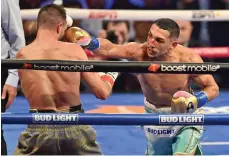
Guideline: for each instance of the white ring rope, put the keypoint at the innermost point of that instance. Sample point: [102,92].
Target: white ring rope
[142,15]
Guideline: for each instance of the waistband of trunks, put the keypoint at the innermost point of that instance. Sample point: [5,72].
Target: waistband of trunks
[151,108]
[46,128]
[73,109]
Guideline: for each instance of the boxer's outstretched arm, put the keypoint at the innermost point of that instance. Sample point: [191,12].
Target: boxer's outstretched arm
[103,47]
[206,82]
[130,50]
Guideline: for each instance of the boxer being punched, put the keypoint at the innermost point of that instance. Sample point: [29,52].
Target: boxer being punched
[165,93]
[51,91]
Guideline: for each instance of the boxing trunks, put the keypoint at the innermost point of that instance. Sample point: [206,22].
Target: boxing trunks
[58,139]
[170,140]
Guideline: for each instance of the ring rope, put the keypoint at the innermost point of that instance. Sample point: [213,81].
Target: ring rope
[212,52]
[117,66]
[142,15]
[114,119]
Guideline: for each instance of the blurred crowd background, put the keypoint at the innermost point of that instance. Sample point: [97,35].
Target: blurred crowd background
[193,34]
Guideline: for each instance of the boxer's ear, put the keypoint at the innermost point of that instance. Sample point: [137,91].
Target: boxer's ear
[59,27]
[174,44]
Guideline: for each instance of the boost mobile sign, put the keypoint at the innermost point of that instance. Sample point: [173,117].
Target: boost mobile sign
[70,68]
[189,68]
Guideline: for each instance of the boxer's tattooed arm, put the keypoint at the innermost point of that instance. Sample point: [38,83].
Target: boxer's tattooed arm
[129,51]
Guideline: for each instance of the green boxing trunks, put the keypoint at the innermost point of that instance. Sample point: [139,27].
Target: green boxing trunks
[170,140]
[58,140]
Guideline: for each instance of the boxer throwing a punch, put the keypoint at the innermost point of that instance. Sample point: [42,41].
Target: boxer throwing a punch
[164,93]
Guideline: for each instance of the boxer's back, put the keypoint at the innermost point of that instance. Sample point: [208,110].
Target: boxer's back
[49,89]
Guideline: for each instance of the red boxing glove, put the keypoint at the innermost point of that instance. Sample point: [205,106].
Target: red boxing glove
[109,77]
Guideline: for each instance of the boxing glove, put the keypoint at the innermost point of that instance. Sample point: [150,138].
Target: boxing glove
[81,37]
[184,102]
[109,77]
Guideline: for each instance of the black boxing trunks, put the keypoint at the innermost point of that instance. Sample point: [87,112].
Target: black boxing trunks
[58,139]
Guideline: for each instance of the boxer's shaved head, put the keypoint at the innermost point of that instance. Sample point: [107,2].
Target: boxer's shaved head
[51,15]
[170,25]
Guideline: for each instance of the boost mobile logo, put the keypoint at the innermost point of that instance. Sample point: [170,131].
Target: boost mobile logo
[27,66]
[77,68]
[153,67]
[203,68]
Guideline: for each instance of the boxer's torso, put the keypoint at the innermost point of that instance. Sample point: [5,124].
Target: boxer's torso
[46,90]
[159,88]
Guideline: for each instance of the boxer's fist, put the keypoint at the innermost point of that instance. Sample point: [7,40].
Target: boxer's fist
[184,102]
[81,37]
[77,35]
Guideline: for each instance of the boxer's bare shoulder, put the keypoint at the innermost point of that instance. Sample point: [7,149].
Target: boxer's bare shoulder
[187,54]
[56,51]
[73,51]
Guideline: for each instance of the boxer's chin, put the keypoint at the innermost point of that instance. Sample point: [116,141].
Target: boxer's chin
[152,54]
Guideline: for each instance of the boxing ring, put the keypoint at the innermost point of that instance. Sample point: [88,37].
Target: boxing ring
[116,119]
[122,112]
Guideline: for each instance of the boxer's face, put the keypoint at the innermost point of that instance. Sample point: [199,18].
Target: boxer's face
[158,42]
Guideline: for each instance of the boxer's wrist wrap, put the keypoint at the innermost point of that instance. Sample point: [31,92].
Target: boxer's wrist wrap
[94,44]
[202,98]
[109,77]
